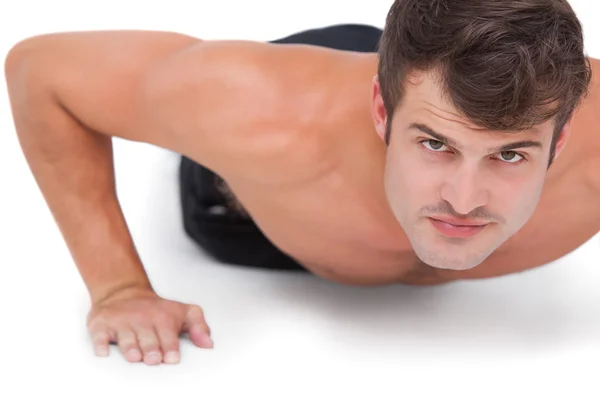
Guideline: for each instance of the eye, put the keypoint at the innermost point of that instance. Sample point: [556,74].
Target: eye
[510,157]
[434,145]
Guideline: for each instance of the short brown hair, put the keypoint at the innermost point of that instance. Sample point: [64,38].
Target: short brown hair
[506,65]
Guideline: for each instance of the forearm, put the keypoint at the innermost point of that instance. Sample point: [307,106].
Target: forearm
[73,167]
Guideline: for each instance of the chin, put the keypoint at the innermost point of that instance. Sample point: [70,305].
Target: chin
[450,259]
[452,265]
[457,254]
[442,261]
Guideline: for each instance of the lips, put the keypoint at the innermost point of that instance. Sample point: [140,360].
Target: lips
[461,222]
[456,228]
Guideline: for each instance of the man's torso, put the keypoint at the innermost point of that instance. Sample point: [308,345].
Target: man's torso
[322,200]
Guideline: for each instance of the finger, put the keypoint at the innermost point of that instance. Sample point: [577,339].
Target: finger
[169,343]
[101,339]
[149,345]
[197,328]
[127,342]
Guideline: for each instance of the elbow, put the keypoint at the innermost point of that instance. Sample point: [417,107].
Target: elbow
[18,59]
[25,70]
[23,79]
[15,63]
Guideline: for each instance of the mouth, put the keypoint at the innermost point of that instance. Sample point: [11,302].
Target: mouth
[454,228]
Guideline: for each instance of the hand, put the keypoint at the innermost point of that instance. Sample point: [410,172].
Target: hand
[145,326]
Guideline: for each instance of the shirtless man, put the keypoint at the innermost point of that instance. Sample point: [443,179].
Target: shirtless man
[441,157]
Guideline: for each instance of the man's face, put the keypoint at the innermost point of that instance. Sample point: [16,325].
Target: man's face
[441,167]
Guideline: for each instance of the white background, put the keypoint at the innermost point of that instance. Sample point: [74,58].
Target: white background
[277,335]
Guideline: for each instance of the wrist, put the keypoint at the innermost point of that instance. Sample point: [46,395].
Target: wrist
[121,290]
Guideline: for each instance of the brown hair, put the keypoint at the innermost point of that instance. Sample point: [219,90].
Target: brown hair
[506,65]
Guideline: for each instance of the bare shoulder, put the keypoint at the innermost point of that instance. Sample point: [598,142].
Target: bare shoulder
[265,110]
[260,109]
[590,126]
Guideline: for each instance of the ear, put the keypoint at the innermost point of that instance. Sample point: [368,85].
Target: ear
[378,111]
[563,137]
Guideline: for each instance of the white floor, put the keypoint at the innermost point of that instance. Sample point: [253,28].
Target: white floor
[277,335]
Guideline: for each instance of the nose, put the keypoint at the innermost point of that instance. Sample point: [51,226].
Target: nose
[465,189]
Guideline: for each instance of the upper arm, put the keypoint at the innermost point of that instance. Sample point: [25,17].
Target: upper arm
[215,101]
[95,76]
[162,88]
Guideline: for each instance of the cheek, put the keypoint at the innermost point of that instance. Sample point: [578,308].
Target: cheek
[517,196]
[414,180]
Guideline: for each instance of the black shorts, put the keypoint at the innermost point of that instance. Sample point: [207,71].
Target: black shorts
[224,233]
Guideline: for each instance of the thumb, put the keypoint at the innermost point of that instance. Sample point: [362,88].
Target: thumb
[195,325]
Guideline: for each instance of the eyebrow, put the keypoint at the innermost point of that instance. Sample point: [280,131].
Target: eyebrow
[448,141]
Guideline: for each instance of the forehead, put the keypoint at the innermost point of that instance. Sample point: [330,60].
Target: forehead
[425,102]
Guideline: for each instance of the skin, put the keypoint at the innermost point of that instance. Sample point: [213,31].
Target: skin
[310,166]
[462,175]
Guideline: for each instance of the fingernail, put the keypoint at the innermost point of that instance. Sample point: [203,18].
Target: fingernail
[133,354]
[209,341]
[172,357]
[153,357]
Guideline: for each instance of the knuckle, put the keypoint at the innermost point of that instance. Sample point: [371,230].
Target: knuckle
[100,335]
[138,317]
[196,308]
[126,343]
[195,311]
[141,325]
[168,335]
[126,346]
[150,345]
[164,319]
[96,326]
[102,319]
[125,336]
[94,318]
[169,343]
